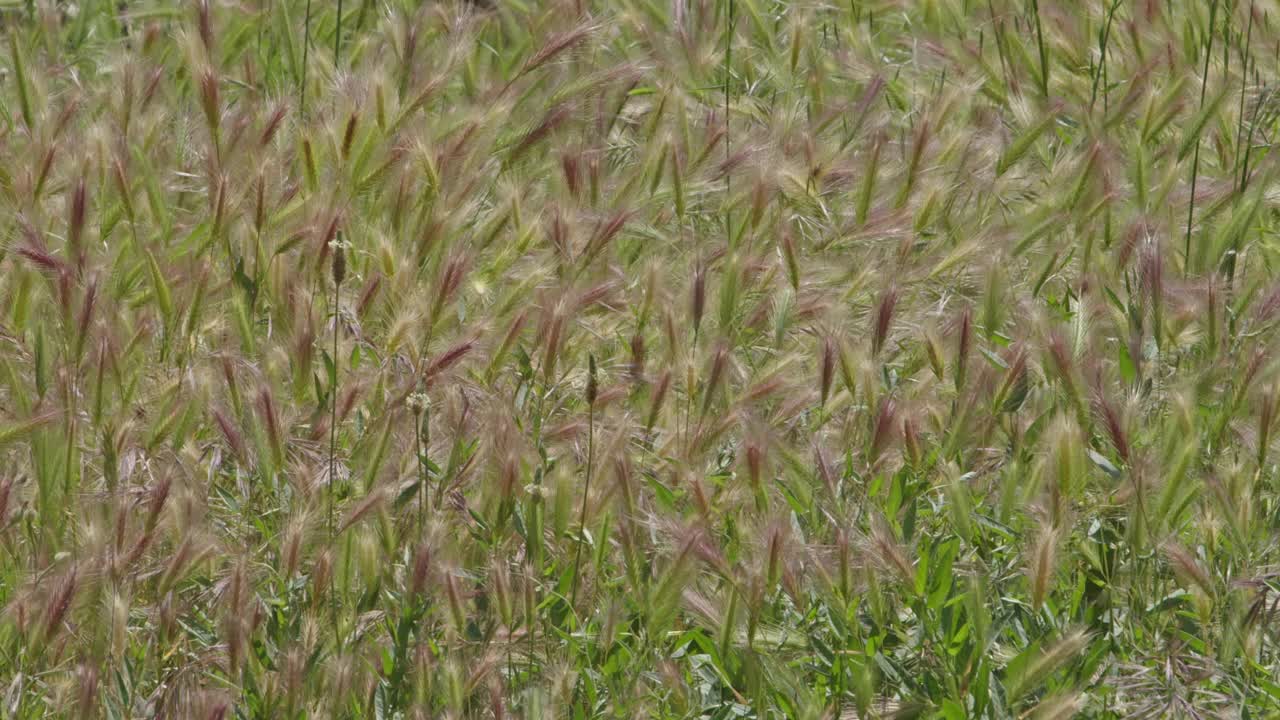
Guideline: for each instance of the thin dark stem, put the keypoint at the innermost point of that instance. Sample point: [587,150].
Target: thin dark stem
[997,28]
[1248,144]
[1044,55]
[586,493]
[1195,162]
[1100,74]
[364,7]
[1244,89]
[333,411]
[422,472]
[337,39]
[333,447]
[426,446]
[728,126]
[306,49]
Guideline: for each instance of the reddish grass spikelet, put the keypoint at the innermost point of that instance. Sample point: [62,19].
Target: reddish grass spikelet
[229,431]
[883,430]
[448,359]
[911,441]
[209,101]
[273,125]
[657,399]
[592,383]
[259,205]
[1059,706]
[156,503]
[719,361]
[368,294]
[554,118]
[759,202]
[373,501]
[1014,376]
[555,46]
[883,319]
[291,549]
[422,570]
[889,553]
[733,163]
[755,452]
[76,214]
[768,387]
[326,240]
[233,619]
[1063,362]
[1151,272]
[933,350]
[636,367]
[86,690]
[824,471]
[1249,373]
[349,397]
[45,165]
[1043,564]
[594,295]
[205,23]
[321,574]
[123,187]
[1187,568]
[1115,426]
[558,234]
[497,703]
[349,134]
[68,112]
[1265,310]
[66,291]
[699,297]
[568,430]
[267,409]
[60,603]
[41,258]
[513,332]
[964,342]
[570,166]
[791,260]
[606,232]
[448,282]
[153,85]
[776,544]
[6,489]
[1266,418]
[453,595]
[1050,659]
[828,369]
[553,338]
[87,304]
[139,547]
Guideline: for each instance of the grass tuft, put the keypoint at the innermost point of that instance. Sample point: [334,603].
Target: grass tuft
[603,358]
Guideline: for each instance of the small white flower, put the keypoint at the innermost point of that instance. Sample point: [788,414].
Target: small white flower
[418,402]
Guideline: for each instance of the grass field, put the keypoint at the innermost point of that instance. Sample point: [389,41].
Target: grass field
[639,359]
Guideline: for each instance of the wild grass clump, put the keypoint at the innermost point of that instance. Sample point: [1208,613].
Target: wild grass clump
[616,358]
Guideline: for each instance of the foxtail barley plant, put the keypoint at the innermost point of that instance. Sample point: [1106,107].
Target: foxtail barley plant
[688,359]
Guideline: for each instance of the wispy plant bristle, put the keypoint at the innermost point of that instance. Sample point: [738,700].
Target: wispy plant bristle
[659,359]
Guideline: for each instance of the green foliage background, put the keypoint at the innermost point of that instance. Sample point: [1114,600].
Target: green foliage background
[639,358]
